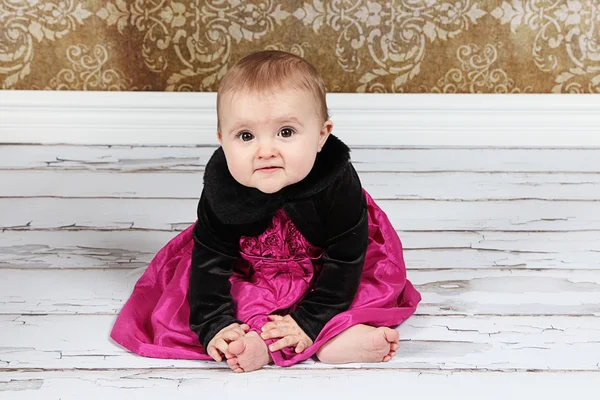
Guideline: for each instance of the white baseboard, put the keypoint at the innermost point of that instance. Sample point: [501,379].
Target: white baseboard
[165,118]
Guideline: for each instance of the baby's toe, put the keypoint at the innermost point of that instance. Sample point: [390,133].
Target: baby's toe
[232,362]
[237,347]
[391,335]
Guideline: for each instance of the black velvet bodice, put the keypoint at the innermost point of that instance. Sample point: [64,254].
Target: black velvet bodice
[328,207]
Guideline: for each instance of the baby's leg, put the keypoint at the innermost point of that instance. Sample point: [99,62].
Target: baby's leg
[360,343]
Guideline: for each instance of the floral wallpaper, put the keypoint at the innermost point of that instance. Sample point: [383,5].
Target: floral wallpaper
[411,46]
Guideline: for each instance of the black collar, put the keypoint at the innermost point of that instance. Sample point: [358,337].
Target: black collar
[234,203]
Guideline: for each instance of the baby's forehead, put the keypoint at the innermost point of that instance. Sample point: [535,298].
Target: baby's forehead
[262,104]
[269,102]
[266,93]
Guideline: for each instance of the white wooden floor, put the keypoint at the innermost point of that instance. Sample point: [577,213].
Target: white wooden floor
[504,245]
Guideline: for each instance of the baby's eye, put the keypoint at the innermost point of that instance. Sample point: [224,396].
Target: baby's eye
[245,136]
[286,132]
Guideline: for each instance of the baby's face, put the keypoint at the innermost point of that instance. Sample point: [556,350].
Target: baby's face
[271,140]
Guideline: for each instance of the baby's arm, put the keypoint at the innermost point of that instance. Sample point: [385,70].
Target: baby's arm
[213,258]
[347,231]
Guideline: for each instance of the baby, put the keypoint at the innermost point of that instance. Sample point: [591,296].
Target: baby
[290,257]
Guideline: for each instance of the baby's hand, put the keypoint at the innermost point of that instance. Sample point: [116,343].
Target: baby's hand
[218,346]
[288,329]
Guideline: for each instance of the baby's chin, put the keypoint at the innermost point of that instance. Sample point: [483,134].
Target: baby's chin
[262,187]
[267,189]
[268,186]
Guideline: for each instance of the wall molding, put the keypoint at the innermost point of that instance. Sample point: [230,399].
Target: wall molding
[166,118]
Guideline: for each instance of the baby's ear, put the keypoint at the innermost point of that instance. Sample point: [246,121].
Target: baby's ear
[325,132]
[219,136]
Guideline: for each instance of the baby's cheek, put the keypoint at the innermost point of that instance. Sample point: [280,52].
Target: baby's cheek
[240,173]
[299,167]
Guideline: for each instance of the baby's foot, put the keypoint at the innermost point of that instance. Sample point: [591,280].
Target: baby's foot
[361,343]
[249,353]
[384,341]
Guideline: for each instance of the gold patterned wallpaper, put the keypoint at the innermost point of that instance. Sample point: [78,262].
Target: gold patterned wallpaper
[414,46]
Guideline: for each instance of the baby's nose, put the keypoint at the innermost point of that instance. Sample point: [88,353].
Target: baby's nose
[266,150]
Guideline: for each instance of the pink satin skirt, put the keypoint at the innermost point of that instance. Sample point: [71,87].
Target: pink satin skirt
[275,271]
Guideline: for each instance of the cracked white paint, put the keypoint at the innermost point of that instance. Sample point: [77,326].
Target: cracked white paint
[421,215]
[134,158]
[427,342]
[295,384]
[445,292]
[18,385]
[85,249]
[466,186]
[502,243]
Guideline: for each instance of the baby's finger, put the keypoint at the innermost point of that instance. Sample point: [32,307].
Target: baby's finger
[241,331]
[287,341]
[275,317]
[238,332]
[223,347]
[231,335]
[271,333]
[268,326]
[280,331]
[214,353]
[242,328]
[302,345]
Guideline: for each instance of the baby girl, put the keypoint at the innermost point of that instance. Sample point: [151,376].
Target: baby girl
[290,257]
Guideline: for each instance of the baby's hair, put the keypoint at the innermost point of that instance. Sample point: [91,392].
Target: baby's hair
[271,70]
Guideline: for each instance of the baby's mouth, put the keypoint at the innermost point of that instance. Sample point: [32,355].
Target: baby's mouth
[269,169]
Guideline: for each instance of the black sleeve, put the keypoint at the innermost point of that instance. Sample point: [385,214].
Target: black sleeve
[345,216]
[213,256]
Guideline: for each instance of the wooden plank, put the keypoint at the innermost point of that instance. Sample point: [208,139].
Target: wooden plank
[381,185]
[407,215]
[150,241]
[124,158]
[80,249]
[399,159]
[443,258]
[289,383]
[422,250]
[447,292]
[427,342]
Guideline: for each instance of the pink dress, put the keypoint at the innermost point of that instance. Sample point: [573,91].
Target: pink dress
[274,272]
